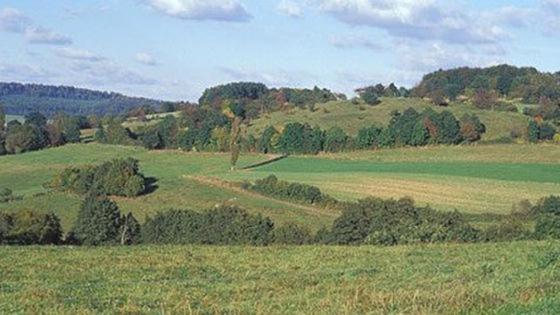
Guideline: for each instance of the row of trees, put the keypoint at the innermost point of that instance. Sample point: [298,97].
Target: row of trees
[248,100]
[410,128]
[213,132]
[367,221]
[371,94]
[36,133]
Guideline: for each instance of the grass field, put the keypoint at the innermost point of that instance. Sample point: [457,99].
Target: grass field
[506,278]
[477,179]
[352,117]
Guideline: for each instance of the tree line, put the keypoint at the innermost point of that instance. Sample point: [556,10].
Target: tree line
[213,132]
[526,83]
[37,132]
[22,99]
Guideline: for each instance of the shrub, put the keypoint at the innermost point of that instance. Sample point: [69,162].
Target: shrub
[119,177]
[292,234]
[30,227]
[6,195]
[221,226]
[391,222]
[271,186]
[511,228]
[547,226]
[98,222]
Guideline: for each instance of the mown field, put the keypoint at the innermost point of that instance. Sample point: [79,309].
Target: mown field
[503,278]
[352,117]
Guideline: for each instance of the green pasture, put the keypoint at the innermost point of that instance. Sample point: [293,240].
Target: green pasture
[502,278]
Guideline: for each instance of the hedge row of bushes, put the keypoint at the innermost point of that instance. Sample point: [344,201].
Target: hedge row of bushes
[273,187]
[119,177]
[368,221]
[29,227]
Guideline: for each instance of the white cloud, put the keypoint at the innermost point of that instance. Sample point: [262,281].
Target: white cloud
[14,21]
[39,35]
[79,54]
[353,41]
[421,59]
[217,10]
[279,78]
[290,8]
[24,73]
[415,19]
[146,59]
[107,74]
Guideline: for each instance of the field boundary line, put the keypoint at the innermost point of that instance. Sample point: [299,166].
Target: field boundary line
[212,181]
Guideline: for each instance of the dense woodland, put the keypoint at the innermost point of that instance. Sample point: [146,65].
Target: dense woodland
[22,99]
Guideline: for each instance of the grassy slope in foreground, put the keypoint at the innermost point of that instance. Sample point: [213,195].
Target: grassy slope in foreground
[504,278]
[351,118]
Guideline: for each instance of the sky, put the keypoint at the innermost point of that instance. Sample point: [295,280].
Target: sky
[174,49]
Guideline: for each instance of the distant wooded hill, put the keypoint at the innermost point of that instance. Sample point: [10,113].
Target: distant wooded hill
[525,83]
[21,99]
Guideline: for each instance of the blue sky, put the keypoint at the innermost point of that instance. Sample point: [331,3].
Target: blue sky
[173,49]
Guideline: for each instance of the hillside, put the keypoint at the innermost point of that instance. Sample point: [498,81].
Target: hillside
[20,99]
[473,179]
[353,117]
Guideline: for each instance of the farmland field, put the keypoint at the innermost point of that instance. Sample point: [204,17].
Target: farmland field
[473,179]
[502,278]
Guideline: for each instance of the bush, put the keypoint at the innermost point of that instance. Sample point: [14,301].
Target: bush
[392,222]
[271,186]
[98,222]
[221,226]
[547,226]
[119,177]
[292,234]
[547,211]
[29,228]
[511,228]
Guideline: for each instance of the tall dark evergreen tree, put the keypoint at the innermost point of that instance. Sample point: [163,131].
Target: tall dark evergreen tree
[98,222]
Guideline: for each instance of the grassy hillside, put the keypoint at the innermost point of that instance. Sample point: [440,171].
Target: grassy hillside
[474,179]
[179,183]
[352,117]
[506,278]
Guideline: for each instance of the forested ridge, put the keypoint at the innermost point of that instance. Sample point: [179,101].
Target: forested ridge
[21,99]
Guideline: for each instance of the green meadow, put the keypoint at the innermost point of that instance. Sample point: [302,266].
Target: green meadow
[501,278]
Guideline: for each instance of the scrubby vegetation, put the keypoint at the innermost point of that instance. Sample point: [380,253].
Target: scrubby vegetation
[119,177]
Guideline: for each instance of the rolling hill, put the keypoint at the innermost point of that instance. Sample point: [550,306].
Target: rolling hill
[20,99]
[351,117]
